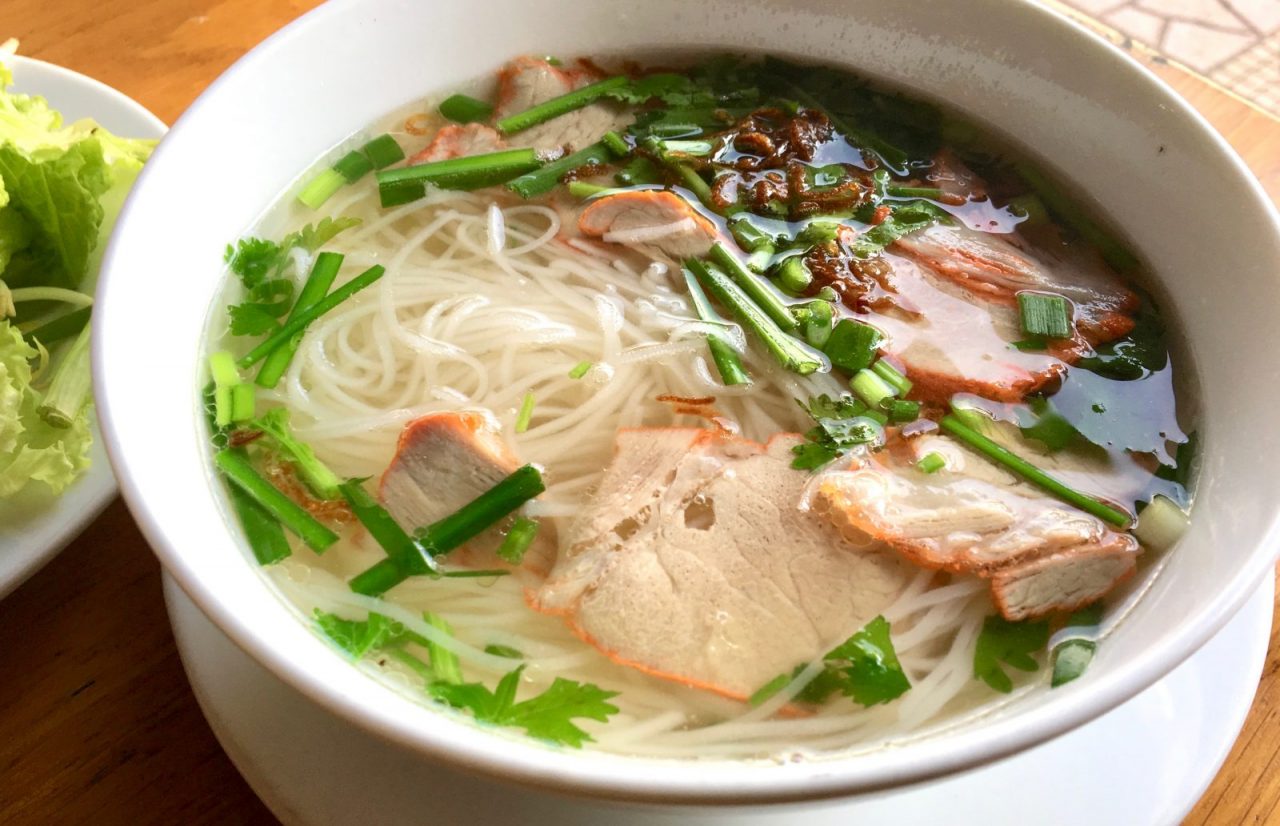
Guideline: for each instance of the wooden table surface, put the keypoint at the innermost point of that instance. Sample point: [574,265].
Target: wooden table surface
[97,723]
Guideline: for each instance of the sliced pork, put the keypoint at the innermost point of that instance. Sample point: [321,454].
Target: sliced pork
[695,563]
[459,140]
[442,462]
[974,517]
[655,222]
[527,81]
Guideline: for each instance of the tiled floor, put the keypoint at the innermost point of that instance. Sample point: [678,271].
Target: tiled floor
[1234,42]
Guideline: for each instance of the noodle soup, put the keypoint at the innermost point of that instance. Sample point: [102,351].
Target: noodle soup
[738,410]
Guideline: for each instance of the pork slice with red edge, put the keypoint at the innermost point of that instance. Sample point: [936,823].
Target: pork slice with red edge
[975,517]
[654,222]
[459,140]
[696,562]
[528,81]
[442,462]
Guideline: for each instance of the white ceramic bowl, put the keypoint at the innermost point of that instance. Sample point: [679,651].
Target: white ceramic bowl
[1184,198]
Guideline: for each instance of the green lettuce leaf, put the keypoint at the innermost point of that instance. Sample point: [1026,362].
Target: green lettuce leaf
[31,450]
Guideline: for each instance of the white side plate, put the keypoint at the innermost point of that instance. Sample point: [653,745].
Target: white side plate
[35,525]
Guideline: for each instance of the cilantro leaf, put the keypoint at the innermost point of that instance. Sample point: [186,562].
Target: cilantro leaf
[253,259]
[1011,643]
[360,637]
[841,425]
[547,716]
[868,666]
[312,237]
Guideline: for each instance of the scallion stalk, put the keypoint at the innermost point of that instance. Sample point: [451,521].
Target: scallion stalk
[558,106]
[902,410]
[726,359]
[582,189]
[952,424]
[353,166]
[518,540]
[544,178]
[788,351]
[242,402]
[580,369]
[793,275]
[235,465]
[444,663]
[266,537]
[616,144]
[754,286]
[465,109]
[299,321]
[525,413]
[852,345]
[383,151]
[63,327]
[931,463]
[407,183]
[872,389]
[695,148]
[1044,314]
[405,552]
[891,374]
[323,272]
[453,530]
[321,188]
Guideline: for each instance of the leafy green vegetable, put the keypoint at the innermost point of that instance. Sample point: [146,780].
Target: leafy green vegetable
[1011,643]
[31,450]
[1045,424]
[547,716]
[263,267]
[360,637]
[1135,356]
[867,666]
[841,425]
[912,216]
[504,651]
[322,481]
[864,668]
[1072,656]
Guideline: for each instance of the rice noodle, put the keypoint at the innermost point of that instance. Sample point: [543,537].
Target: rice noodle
[485,301]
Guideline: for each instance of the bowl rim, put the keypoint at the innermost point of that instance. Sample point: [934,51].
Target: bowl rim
[670,781]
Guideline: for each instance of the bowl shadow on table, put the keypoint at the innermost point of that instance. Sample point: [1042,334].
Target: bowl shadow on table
[100,724]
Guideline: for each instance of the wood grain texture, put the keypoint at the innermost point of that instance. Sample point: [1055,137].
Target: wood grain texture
[97,723]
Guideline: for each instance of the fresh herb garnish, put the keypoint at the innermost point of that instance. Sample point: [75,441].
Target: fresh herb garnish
[1072,656]
[274,424]
[1010,643]
[518,540]
[546,716]
[864,668]
[841,425]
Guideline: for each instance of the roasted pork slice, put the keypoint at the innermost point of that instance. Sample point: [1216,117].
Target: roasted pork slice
[655,222]
[528,81]
[974,517]
[442,462]
[950,343]
[696,562]
[459,140]
[997,267]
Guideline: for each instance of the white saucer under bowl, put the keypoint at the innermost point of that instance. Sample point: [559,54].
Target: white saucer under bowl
[35,525]
[1161,748]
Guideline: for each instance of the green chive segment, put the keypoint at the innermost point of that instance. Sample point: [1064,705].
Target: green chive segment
[408,183]
[558,106]
[1044,314]
[235,465]
[465,109]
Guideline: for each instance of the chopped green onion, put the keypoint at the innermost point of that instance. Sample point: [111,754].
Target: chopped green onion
[1161,524]
[901,410]
[582,189]
[461,526]
[222,369]
[852,345]
[546,177]
[465,109]
[504,651]
[694,183]
[616,144]
[242,402]
[1070,659]
[481,573]
[353,166]
[299,321]
[728,362]
[444,663]
[953,425]
[688,147]
[266,537]
[759,244]
[789,352]
[1044,314]
[221,406]
[817,327]
[234,464]
[321,188]
[518,540]
[405,552]
[872,389]
[63,327]
[755,287]
[558,106]
[793,275]
[407,183]
[383,151]
[526,413]
[931,463]
[580,369]
[889,373]
[323,272]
